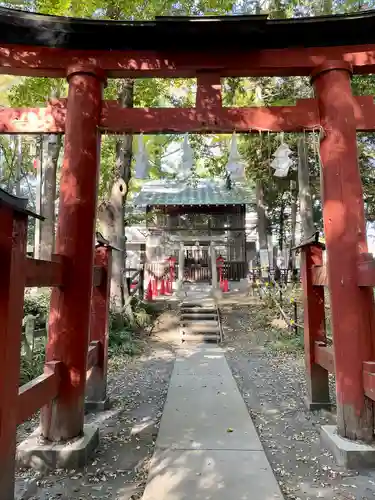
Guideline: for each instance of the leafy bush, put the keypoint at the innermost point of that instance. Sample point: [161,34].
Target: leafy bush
[32,368]
[37,304]
[148,307]
[288,342]
[124,333]
[124,338]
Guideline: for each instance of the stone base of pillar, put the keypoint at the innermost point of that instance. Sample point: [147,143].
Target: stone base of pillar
[216,293]
[179,292]
[35,454]
[92,406]
[315,406]
[349,454]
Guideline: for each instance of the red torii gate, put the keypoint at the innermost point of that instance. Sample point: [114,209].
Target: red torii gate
[81,117]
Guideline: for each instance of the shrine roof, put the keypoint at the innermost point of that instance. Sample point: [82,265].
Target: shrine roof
[186,33]
[205,192]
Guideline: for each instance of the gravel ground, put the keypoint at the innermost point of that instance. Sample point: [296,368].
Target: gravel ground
[273,385]
[127,431]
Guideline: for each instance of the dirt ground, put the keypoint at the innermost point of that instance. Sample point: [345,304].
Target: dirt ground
[118,470]
[273,385]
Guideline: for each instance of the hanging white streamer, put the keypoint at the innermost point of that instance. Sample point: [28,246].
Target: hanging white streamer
[142,165]
[235,167]
[187,159]
[281,162]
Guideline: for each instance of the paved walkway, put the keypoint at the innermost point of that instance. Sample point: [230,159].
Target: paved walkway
[207,447]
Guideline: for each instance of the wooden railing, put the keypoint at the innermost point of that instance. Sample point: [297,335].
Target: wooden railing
[38,392]
[135,282]
[318,352]
[235,271]
[271,274]
[17,404]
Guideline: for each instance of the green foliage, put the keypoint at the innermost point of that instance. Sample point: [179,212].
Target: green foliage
[122,341]
[32,368]
[211,152]
[286,341]
[32,91]
[124,335]
[37,304]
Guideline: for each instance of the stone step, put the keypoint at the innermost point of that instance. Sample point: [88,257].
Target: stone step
[201,303]
[207,337]
[201,310]
[200,329]
[199,324]
[198,317]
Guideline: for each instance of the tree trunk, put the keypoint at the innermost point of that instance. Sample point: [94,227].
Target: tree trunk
[262,225]
[293,223]
[18,145]
[51,151]
[305,197]
[281,226]
[114,218]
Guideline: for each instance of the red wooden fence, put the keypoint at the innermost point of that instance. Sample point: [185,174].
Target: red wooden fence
[319,355]
[17,404]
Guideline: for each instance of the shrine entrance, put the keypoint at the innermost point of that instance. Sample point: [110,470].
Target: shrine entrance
[197,262]
[196,215]
[87,53]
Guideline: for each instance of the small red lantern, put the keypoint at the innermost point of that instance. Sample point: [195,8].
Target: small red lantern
[219,264]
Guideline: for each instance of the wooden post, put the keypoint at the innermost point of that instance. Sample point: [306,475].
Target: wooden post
[68,332]
[141,290]
[181,268]
[38,197]
[345,233]
[96,384]
[13,228]
[314,329]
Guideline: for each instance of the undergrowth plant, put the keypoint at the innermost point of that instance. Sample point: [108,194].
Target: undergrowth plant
[288,339]
[124,335]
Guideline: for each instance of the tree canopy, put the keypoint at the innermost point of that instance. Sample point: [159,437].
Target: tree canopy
[211,152]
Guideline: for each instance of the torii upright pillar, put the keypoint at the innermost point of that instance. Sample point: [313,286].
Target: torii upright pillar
[345,233]
[69,321]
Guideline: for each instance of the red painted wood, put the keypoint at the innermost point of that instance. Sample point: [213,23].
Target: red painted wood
[314,327]
[369,379]
[324,357]
[319,275]
[369,385]
[364,112]
[208,97]
[34,120]
[220,120]
[369,366]
[44,272]
[366,272]
[96,388]
[44,61]
[94,354]
[98,274]
[70,306]
[12,283]
[38,392]
[208,116]
[345,233]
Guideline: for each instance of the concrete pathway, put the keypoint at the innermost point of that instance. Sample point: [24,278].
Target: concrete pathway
[207,447]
